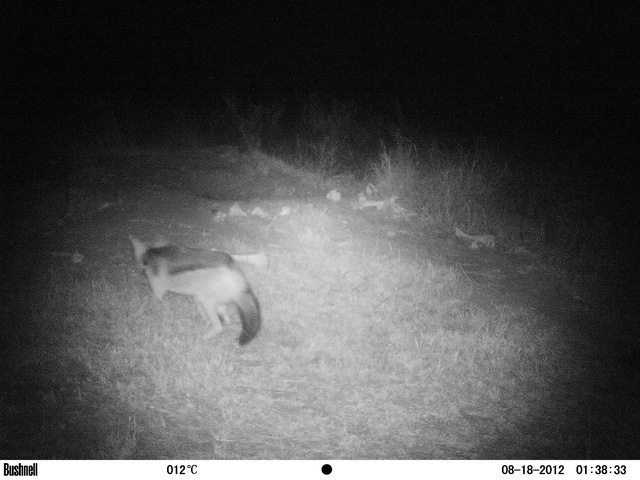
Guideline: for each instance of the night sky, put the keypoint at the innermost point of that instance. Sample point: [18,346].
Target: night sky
[563,71]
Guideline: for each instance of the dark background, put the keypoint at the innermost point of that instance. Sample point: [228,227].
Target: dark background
[566,73]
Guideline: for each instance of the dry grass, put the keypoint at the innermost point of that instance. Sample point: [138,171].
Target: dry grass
[361,356]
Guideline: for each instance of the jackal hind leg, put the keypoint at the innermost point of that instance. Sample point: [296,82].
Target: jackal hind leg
[209,312]
[223,314]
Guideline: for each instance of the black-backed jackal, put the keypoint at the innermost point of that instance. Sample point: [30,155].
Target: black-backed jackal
[212,278]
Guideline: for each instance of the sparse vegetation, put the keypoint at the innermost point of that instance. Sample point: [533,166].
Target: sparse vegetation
[369,356]
[543,203]
[372,347]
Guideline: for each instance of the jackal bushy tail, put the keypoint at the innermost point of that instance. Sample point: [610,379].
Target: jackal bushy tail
[249,311]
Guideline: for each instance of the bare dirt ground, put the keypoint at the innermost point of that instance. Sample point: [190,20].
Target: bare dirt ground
[66,393]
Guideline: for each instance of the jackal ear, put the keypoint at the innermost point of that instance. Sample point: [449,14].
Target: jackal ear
[139,248]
